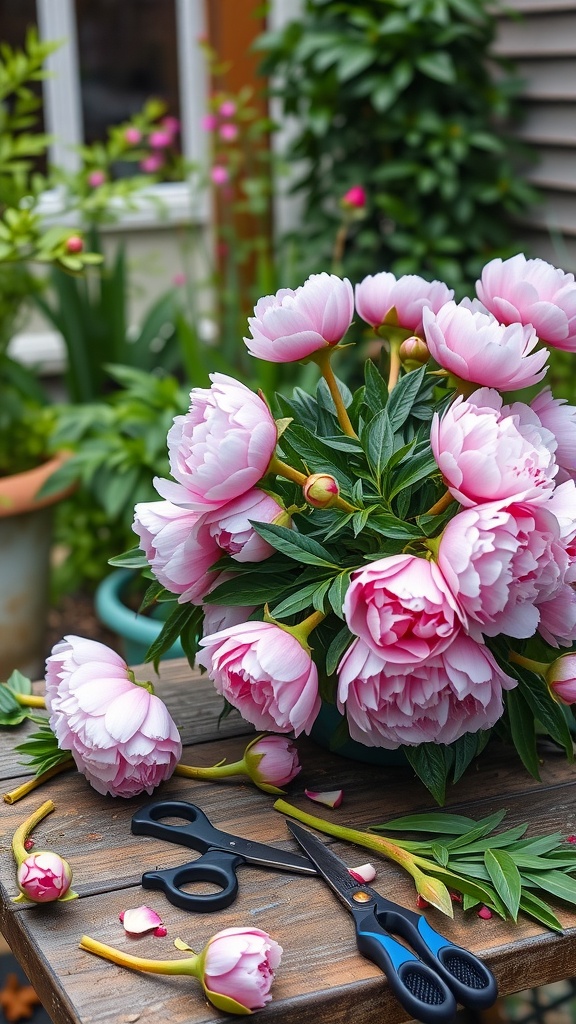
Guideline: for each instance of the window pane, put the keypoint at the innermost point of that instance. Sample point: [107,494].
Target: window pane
[127,54]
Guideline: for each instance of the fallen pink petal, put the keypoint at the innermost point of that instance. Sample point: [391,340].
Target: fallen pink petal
[363,873]
[484,913]
[421,903]
[160,931]
[140,920]
[331,798]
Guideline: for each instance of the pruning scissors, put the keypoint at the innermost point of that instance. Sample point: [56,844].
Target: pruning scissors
[428,985]
[221,853]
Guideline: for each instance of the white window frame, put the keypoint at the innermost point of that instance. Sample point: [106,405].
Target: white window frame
[63,112]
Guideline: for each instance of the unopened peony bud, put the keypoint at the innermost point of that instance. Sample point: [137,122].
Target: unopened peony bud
[74,244]
[320,490]
[132,136]
[44,877]
[354,197]
[561,679]
[96,178]
[271,762]
[414,353]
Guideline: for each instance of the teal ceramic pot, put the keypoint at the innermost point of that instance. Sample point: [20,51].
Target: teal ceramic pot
[136,632]
[325,729]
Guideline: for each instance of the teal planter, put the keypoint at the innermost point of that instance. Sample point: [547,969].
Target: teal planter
[325,729]
[137,632]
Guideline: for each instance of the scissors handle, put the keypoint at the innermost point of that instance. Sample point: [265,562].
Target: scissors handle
[470,980]
[216,866]
[199,834]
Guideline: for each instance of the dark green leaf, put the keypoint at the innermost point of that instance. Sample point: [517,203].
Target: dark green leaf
[523,731]
[403,397]
[341,641]
[19,683]
[505,879]
[378,442]
[295,545]
[481,828]
[554,882]
[438,823]
[429,762]
[539,910]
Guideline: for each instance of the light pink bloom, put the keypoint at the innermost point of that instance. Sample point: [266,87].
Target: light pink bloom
[476,348]
[119,734]
[239,963]
[291,325]
[489,453]
[501,564]
[44,877]
[561,678]
[230,525]
[96,178]
[209,122]
[560,418]
[402,608]
[227,108]
[132,136]
[170,124]
[228,132]
[436,700]
[532,292]
[557,624]
[221,448]
[381,299]
[179,548]
[272,761]
[219,174]
[159,139]
[152,163]
[355,197]
[265,673]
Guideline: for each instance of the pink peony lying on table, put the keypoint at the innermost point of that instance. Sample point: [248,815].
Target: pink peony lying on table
[120,735]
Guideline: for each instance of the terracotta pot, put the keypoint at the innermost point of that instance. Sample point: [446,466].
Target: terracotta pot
[25,544]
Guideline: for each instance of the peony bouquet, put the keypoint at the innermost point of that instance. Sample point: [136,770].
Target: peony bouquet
[403,552]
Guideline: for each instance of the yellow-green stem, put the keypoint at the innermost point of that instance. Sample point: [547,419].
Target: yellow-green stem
[21,834]
[394,369]
[539,667]
[137,963]
[38,780]
[322,358]
[28,700]
[217,771]
[441,505]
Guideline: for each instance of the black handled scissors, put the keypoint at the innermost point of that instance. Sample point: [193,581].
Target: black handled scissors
[427,985]
[221,853]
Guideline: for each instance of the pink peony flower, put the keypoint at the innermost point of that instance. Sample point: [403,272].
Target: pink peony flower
[489,453]
[219,174]
[265,673]
[160,139]
[119,734]
[476,348]
[291,325]
[560,419]
[501,564]
[436,700]
[209,122]
[239,964]
[381,299]
[402,608]
[557,624]
[272,761]
[170,124]
[152,163]
[561,678]
[179,547]
[228,132]
[96,178]
[532,292]
[227,108]
[132,136]
[44,877]
[355,197]
[221,448]
[230,525]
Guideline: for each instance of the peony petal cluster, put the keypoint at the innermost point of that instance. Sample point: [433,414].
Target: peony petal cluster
[179,546]
[384,299]
[531,291]
[293,324]
[44,877]
[272,761]
[475,347]
[557,416]
[240,964]
[264,672]
[120,735]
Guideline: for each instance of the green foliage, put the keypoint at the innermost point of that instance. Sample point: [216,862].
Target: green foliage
[399,96]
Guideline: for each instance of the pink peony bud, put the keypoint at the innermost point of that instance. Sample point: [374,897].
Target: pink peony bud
[96,178]
[355,197]
[209,122]
[320,489]
[561,679]
[132,136]
[414,353]
[227,108]
[239,964]
[74,244]
[272,761]
[44,877]
[152,163]
[219,174]
[159,139]
[171,125]
[228,132]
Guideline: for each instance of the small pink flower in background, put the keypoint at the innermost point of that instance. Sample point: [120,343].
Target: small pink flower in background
[220,448]
[476,348]
[44,877]
[560,418]
[179,548]
[402,608]
[160,139]
[179,280]
[487,452]
[381,299]
[231,528]
[171,125]
[96,178]
[265,673]
[152,163]
[120,735]
[532,292]
[240,964]
[272,761]
[209,122]
[132,136]
[355,197]
[219,174]
[228,132]
[227,108]
[433,700]
[292,325]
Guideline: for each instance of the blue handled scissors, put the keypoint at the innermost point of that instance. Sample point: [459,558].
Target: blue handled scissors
[221,853]
[427,985]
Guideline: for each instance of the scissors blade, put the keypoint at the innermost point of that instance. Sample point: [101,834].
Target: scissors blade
[267,856]
[329,865]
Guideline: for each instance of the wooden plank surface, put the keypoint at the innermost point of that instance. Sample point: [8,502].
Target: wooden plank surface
[322,977]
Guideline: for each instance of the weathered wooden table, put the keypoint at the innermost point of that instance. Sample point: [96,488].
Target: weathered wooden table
[322,977]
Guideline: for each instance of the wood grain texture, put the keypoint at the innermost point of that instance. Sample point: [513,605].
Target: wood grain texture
[322,978]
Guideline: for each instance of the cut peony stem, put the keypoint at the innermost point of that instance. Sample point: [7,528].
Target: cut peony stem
[27,787]
[23,831]
[330,798]
[28,700]
[188,966]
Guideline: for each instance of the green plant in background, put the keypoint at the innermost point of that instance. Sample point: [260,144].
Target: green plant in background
[400,96]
